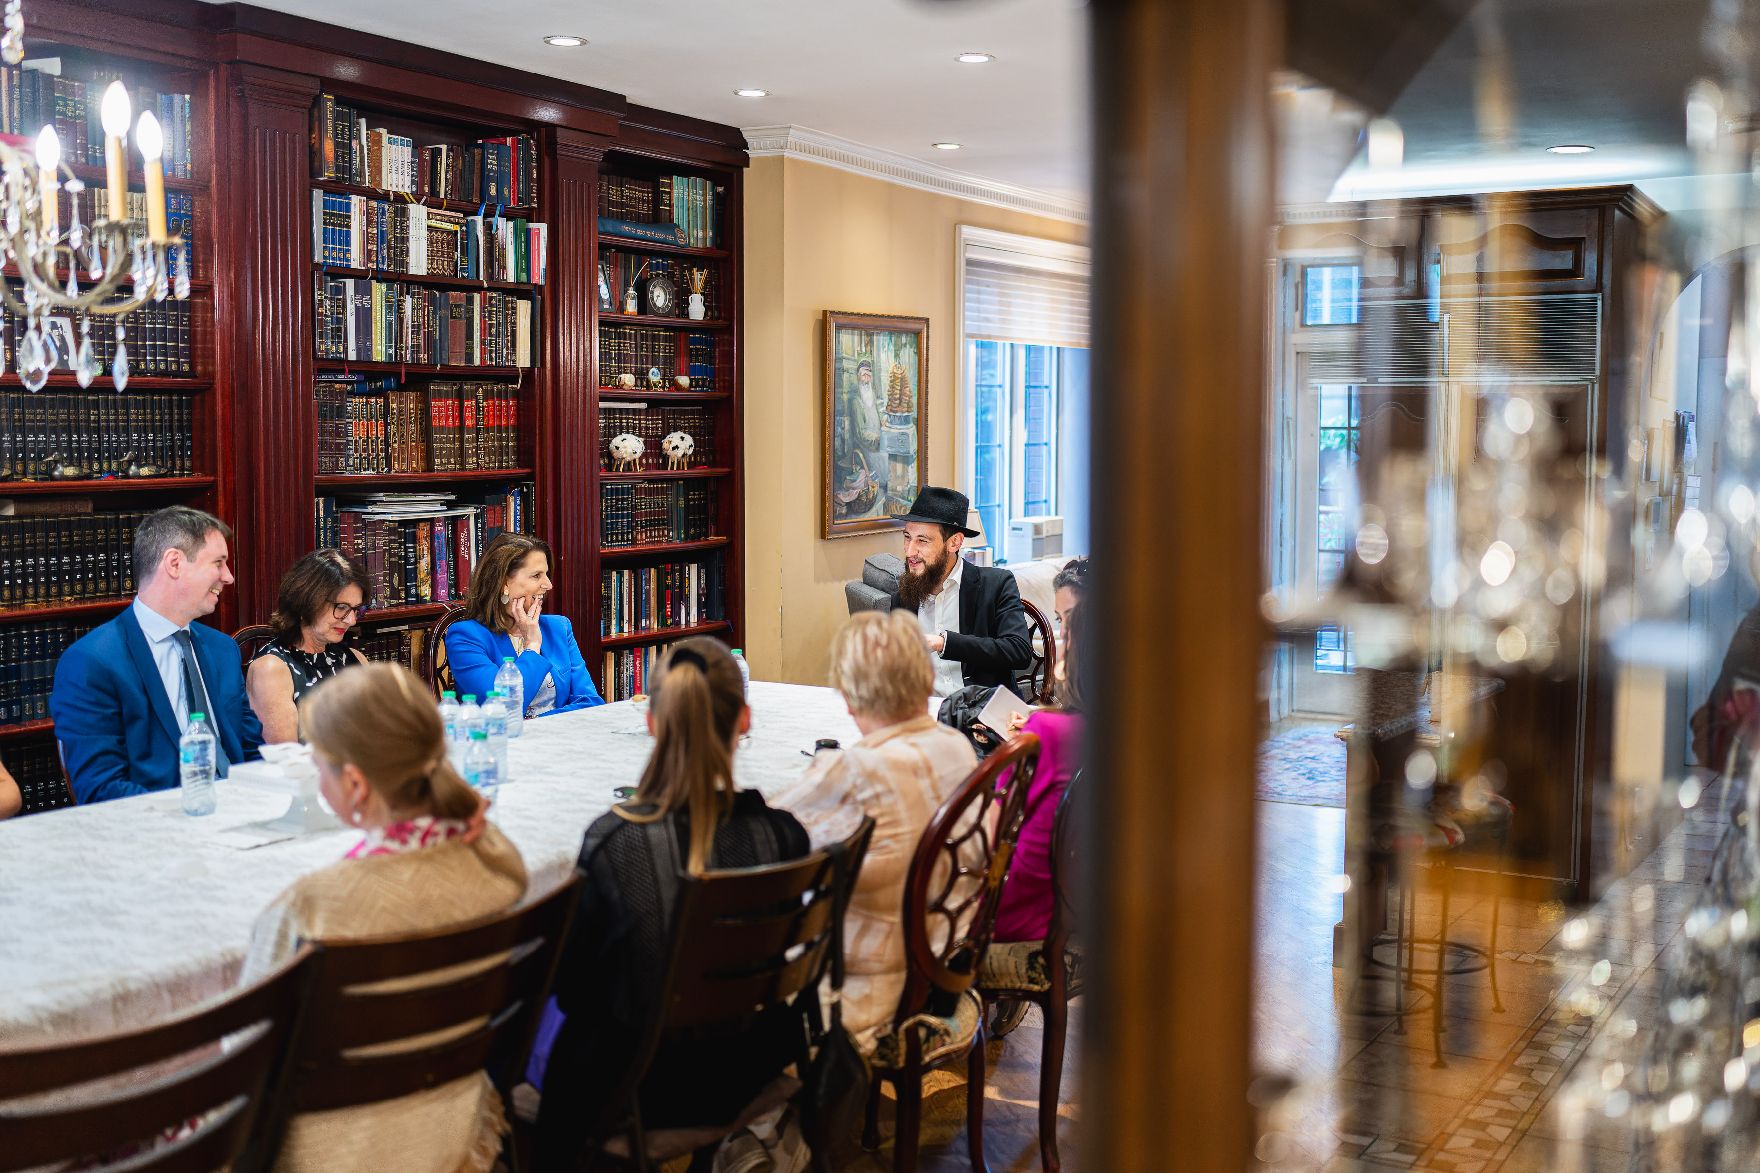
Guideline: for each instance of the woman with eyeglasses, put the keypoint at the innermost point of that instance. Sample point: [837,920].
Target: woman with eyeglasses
[321,599]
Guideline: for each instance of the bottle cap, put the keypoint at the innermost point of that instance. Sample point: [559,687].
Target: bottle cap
[470,698]
[479,735]
[507,659]
[449,695]
[198,717]
[737,652]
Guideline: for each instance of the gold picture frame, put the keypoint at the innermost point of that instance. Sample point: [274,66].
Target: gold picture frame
[875,428]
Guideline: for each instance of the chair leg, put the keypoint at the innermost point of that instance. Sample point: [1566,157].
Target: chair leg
[906,1133]
[1441,965]
[1051,1079]
[871,1120]
[1399,978]
[1496,903]
[975,1072]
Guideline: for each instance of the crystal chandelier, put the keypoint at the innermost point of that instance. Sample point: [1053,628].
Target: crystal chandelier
[48,261]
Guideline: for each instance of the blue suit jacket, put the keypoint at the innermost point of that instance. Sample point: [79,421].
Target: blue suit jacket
[474,654]
[117,728]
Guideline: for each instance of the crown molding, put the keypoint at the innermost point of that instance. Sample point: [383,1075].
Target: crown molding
[816,146]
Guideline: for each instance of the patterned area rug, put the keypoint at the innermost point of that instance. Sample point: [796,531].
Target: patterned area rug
[1303,765]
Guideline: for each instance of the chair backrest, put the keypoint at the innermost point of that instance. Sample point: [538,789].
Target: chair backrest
[955,879]
[497,973]
[1043,638]
[241,1084]
[747,938]
[433,667]
[251,640]
[1066,868]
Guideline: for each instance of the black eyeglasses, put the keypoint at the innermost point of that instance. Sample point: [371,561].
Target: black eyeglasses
[344,610]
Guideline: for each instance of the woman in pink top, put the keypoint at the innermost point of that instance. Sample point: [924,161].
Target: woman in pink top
[1025,911]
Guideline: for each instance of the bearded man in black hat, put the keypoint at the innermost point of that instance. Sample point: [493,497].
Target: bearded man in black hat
[971,616]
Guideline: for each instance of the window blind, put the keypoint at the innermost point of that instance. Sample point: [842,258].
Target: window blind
[1019,297]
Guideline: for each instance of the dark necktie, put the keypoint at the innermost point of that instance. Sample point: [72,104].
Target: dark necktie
[196,697]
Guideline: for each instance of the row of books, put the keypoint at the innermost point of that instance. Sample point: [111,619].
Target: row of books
[36,766]
[700,352]
[362,320]
[619,270]
[33,96]
[646,513]
[393,644]
[419,547]
[372,425]
[90,435]
[93,204]
[654,424]
[345,149]
[28,652]
[359,232]
[64,557]
[160,341]
[691,203]
[627,671]
[626,349]
[654,598]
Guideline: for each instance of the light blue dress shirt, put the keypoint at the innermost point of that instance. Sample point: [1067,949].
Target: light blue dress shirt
[159,632]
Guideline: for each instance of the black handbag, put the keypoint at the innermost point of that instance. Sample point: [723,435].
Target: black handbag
[834,1082]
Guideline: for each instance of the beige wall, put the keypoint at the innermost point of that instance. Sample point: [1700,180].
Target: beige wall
[819,239]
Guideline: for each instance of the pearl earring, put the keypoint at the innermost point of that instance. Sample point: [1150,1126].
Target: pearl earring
[354,817]
[506,598]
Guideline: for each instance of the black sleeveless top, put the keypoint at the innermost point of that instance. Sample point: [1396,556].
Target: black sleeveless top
[308,668]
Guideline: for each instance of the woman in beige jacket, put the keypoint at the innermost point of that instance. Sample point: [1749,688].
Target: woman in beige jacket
[425,862]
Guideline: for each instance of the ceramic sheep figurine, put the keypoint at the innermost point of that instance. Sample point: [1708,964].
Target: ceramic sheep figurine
[626,452]
[678,447]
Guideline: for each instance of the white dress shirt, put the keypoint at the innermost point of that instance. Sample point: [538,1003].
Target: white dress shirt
[159,632]
[940,612]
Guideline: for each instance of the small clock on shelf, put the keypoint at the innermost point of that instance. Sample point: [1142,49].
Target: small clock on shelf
[660,296]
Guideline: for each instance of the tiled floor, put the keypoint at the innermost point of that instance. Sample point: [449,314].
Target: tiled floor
[1369,1096]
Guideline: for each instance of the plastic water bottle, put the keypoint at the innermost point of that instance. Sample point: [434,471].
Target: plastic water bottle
[512,687]
[195,763]
[480,768]
[495,725]
[745,671]
[449,711]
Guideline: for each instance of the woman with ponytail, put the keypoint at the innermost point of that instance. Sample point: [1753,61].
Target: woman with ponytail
[425,861]
[686,817]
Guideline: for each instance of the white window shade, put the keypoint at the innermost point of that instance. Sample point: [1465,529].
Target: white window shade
[1037,297]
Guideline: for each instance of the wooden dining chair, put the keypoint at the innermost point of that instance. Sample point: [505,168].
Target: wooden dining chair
[1037,678]
[744,940]
[478,988]
[205,1106]
[433,665]
[251,640]
[1046,973]
[952,892]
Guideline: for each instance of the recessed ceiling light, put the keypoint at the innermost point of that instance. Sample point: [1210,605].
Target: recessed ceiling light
[1570,149]
[946,146]
[975,58]
[752,93]
[564,41]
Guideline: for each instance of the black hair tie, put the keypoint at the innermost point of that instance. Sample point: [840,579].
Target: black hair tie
[689,656]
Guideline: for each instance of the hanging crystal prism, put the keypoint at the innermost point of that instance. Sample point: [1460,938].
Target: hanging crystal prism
[119,364]
[85,359]
[181,289]
[12,42]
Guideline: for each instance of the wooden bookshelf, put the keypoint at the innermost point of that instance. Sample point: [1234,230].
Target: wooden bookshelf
[254,77]
[664,635]
[26,729]
[466,284]
[667,474]
[510,211]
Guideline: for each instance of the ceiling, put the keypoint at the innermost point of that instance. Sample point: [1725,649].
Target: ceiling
[1612,74]
[879,72]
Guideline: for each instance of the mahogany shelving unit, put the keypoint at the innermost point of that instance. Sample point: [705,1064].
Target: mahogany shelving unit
[254,77]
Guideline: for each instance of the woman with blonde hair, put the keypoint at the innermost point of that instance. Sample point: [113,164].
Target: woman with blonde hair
[686,817]
[505,619]
[425,862]
[900,772]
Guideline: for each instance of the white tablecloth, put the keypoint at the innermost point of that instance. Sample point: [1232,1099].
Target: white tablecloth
[117,914]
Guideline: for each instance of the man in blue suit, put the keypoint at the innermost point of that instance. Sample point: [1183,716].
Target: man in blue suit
[124,691]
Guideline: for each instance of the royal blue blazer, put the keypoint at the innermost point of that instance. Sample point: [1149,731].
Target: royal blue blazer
[474,654]
[117,728]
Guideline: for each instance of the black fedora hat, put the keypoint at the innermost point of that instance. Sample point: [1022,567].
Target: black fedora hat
[940,506]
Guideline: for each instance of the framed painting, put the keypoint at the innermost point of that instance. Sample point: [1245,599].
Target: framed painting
[876,402]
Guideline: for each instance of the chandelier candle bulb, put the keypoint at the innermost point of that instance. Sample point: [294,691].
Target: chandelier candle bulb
[48,163]
[115,114]
[152,143]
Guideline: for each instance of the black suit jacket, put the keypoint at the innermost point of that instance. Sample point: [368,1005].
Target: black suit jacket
[991,644]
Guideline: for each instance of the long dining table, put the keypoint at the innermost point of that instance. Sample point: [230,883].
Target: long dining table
[121,913]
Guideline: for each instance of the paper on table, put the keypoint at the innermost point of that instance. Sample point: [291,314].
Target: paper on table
[1002,707]
[250,835]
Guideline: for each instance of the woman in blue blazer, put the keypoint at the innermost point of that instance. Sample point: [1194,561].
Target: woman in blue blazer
[505,617]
